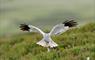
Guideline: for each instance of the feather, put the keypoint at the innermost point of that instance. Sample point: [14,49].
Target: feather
[47,40]
[30,28]
[70,23]
[60,28]
[24,27]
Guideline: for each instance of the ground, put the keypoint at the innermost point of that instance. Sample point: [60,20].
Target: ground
[75,44]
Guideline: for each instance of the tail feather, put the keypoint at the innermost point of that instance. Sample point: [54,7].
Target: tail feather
[50,44]
[42,43]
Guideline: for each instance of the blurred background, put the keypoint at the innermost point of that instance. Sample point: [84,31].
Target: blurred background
[43,13]
[74,44]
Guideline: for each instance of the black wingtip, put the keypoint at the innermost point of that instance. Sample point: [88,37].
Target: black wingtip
[24,27]
[70,23]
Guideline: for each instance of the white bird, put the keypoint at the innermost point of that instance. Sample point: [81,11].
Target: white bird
[47,40]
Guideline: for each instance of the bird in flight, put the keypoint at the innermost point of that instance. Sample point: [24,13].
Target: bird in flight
[56,30]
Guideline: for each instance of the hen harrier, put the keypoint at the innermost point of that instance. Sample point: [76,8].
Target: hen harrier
[47,40]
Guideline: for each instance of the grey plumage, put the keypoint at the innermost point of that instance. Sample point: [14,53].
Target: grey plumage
[47,40]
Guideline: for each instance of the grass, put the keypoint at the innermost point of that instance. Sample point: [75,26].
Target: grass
[75,44]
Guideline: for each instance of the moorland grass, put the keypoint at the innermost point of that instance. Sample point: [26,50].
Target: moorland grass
[75,44]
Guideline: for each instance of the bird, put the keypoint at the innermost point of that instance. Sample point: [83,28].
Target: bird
[56,30]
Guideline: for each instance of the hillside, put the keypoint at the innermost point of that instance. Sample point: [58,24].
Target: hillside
[75,44]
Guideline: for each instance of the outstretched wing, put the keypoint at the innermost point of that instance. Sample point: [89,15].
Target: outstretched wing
[60,28]
[30,28]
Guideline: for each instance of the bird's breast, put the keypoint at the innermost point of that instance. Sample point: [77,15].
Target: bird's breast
[47,38]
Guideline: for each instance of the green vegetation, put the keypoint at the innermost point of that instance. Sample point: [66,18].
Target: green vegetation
[75,44]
